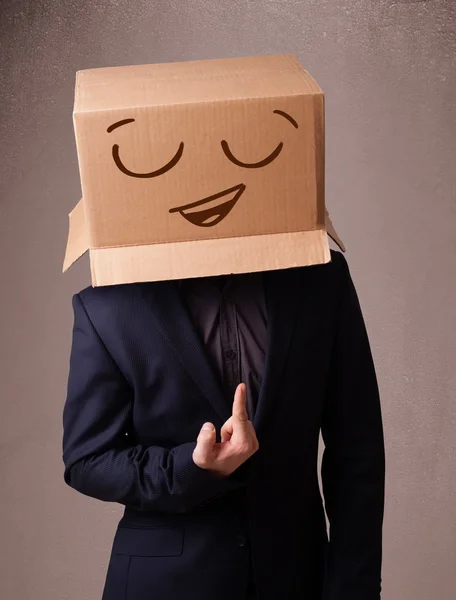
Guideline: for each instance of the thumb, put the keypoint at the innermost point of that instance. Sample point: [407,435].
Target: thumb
[205,443]
[227,430]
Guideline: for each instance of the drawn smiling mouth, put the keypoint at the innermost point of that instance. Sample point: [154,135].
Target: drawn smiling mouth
[214,213]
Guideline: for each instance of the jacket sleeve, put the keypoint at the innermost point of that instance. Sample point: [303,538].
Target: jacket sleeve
[353,468]
[99,461]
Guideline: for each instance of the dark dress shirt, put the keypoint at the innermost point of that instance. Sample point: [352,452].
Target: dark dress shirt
[229,314]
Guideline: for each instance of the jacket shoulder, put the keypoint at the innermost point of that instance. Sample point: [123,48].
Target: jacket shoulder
[338,263]
[330,272]
[105,299]
[105,293]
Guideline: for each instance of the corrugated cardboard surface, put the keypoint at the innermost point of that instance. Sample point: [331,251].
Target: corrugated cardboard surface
[279,197]
[197,259]
[78,238]
[200,155]
[165,84]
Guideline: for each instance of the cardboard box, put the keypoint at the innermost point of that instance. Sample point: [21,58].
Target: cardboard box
[199,168]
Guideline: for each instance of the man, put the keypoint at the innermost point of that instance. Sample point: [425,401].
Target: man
[219,480]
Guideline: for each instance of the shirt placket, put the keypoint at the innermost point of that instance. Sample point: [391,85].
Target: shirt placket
[230,345]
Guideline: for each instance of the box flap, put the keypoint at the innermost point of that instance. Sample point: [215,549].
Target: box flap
[332,232]
[78,239]
[181,260]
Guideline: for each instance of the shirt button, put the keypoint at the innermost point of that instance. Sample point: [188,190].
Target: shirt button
[231,354]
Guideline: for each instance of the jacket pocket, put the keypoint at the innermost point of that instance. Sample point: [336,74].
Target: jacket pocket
[150,541]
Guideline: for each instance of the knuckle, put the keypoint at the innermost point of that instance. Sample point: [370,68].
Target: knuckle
[245,448]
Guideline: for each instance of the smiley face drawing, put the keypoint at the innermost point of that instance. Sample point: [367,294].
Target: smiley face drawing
[211,210]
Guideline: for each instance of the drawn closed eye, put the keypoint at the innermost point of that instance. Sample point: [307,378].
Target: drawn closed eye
[255,165]
[261,163]
[169,165]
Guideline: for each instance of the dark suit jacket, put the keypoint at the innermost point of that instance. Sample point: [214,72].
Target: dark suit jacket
[140,387]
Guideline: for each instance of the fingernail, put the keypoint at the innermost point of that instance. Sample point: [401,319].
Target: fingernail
[207,427]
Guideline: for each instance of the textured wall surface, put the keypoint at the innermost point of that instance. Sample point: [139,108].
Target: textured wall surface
[389,72]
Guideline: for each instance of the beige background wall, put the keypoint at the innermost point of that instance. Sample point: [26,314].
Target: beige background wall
[389,72]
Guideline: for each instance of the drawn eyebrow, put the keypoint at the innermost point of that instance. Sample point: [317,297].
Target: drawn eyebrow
[119,124]
[287,116]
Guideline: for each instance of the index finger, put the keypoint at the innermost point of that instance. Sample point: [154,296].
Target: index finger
[239,403]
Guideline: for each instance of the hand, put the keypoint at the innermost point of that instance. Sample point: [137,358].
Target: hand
[239,440]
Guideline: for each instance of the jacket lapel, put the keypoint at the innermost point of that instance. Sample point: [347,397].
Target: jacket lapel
[170,315]
[282,298]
